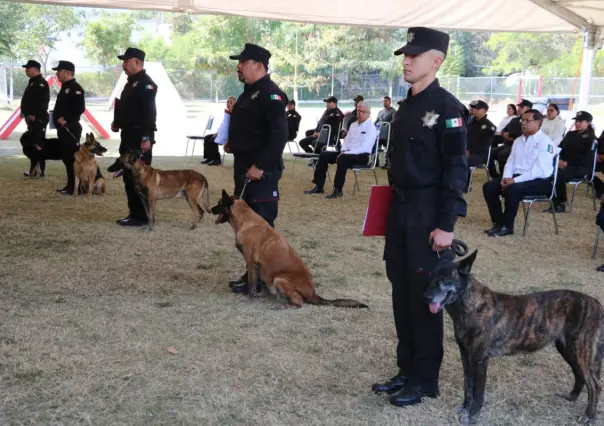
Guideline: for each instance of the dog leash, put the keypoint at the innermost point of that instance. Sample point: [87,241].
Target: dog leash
[248,180]
[71,134]
[460,248]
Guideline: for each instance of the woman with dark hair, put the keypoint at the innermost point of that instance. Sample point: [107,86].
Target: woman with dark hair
[576,157]
[511,112]
[554,126]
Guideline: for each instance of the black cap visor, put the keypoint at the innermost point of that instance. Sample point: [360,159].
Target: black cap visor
[411,49]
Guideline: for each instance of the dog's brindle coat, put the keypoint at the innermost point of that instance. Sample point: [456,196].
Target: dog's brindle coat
[155,184]
[86,170]
[489,324]
[270,257]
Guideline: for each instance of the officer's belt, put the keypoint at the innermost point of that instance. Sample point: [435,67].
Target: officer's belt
[404,195]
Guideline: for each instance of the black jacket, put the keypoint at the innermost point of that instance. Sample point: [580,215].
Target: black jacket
[293,124]
[258,129]
[135,111]
[577,150]
[333,118]
[480,136]
[70,103]
[35,99]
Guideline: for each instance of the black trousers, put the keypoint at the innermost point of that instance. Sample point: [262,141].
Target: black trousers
[210,149]
[345,162]
[565,175]
[130,143]
[69,146]
[512,196]
[501,154]
[409,260]
[598,184]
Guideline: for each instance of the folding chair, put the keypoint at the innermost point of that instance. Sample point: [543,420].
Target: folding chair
[589,182]
[384,133]
[541,198]
[595,250]
[369,166]
[323,138]
[485,167]
[195,138]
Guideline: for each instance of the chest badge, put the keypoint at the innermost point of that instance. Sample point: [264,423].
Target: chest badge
[255,95]
[484,126]
[430,119]
[135,84]
[67,91]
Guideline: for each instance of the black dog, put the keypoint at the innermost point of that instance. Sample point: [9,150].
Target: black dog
[38,150]
[489,324]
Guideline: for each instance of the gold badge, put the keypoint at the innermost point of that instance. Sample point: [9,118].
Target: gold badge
[430,119]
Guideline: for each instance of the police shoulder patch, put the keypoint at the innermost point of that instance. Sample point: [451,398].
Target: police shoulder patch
[150,86]
[41,84]
[276,97]
[77,92]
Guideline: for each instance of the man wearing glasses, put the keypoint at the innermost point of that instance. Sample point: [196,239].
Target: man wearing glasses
[527,171]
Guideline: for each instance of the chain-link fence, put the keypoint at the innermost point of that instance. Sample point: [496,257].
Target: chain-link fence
[98,82]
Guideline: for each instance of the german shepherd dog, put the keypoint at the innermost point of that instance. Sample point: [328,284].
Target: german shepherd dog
[38,150]
[489,324]
[87,174]
[154,184]
[270,257]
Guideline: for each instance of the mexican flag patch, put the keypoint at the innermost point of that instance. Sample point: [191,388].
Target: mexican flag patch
[149,86]
[452,123]
[275,98]
[550,148]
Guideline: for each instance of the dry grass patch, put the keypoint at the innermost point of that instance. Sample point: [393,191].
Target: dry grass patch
[89,309]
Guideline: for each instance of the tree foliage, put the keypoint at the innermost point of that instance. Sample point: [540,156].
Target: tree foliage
[108,37]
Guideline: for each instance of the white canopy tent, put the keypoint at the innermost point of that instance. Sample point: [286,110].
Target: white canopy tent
[461,15]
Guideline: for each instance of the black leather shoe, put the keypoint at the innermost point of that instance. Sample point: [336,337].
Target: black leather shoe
[206,161]
[335,194]
[600,268]
[238,281]
[501,232]
[240,288]
[133,222]
[413,394]
[559,208]
[214,163]
[123,219]
[391,386]
[495,226]
[315,190]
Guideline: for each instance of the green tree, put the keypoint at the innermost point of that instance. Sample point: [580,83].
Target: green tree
[182,24]
[42,29]
[108,37]
[11,23]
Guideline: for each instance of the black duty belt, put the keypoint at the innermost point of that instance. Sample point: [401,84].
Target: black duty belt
[403,194]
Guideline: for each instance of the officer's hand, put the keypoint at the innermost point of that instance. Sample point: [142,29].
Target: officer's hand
[562,164]
[31,118]
[61,121]
[315,135]
[600,158]
[145,146]
[254,173]
[227,147]
[441,240]
[114,128]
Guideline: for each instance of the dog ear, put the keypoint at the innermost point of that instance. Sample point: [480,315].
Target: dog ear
[465,265]
[226,199]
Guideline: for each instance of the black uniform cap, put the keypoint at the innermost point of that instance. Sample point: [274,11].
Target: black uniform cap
[331,99]
[132,52]
[32,64]
[583,116]
[253,52]
[65,65]
[525,103]
[480,105]
[421,39]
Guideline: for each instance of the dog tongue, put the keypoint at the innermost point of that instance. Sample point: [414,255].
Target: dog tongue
[118,173]
[434,307]
[218,218]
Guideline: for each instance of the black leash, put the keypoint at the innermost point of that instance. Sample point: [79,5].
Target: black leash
[248,180]
[71,134]
[460,247]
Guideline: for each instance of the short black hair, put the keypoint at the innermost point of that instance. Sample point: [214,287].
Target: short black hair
[537,116]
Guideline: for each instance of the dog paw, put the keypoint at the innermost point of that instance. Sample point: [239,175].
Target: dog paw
[465,418]
[584,420]
[193,226]
[572,397]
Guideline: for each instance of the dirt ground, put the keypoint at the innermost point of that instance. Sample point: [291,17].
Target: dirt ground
[88,310]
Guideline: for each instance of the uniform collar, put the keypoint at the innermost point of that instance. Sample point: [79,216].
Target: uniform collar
[431,87]
[260,81]
[67,83]
[36,78]
[480,120]
[137,76]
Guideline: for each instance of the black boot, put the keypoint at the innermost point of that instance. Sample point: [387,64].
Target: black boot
[391,386]
[239,285]
[335,194]
[315,190]
[413,394]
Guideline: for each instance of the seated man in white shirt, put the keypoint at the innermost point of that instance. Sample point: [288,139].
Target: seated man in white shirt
[527,172]
[359,142]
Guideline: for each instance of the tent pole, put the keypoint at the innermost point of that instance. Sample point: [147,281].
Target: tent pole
[589,51]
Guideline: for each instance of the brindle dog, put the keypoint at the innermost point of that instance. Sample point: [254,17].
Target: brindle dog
[489,324]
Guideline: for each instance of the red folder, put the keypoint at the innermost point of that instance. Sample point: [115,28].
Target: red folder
[377,211]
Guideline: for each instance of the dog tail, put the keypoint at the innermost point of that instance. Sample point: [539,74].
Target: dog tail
[340,303]
[205,198]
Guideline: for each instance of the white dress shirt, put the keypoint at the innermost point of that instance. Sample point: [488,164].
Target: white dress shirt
[554,129]
[504,122]
[361,138]
[531,158]
[223,131]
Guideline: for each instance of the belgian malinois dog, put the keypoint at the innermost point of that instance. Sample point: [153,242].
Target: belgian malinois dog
[270,257]
[87,174]
[489,324]
[155,184]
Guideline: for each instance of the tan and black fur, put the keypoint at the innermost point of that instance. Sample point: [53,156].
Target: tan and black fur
[489,324]
[270,257]
[86,172]
[154,184]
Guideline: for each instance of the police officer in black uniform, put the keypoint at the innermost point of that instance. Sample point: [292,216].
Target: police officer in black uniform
[332,117]
[257,136]
[428,171]
[135,114]
[293,120]
[34,108]
[69,107]
[481,132]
